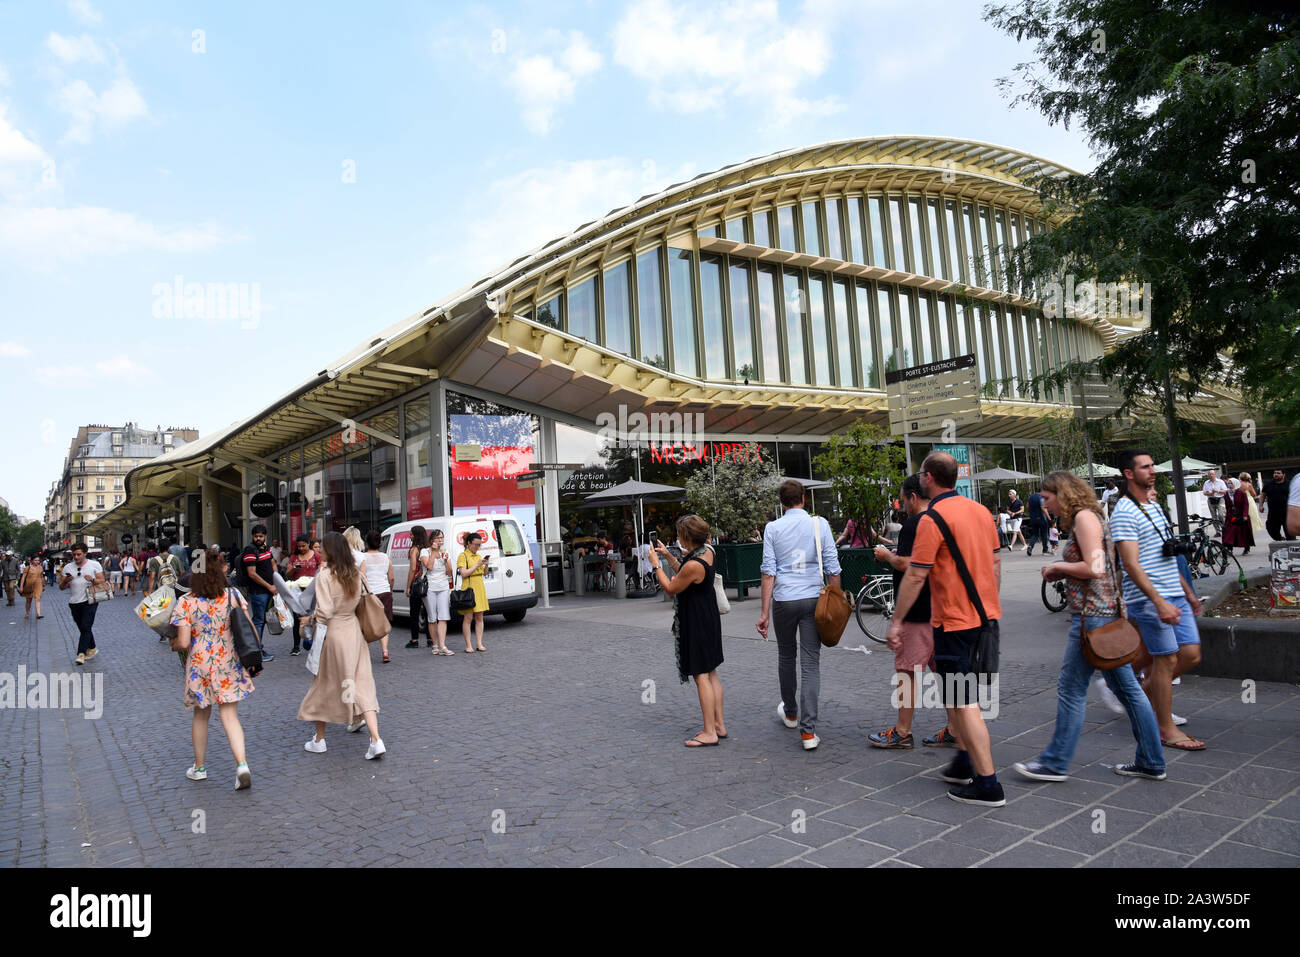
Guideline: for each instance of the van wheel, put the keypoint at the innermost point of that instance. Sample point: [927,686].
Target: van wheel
[517,615]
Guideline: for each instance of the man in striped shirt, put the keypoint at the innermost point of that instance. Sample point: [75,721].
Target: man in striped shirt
[1161,603]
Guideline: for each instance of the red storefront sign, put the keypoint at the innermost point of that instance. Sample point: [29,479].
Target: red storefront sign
[680,453]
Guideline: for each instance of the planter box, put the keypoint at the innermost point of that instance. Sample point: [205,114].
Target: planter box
[1258,648]
[857,564]
[739,564]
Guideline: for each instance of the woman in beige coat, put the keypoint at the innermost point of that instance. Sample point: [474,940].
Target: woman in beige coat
[343,691]
[33,584]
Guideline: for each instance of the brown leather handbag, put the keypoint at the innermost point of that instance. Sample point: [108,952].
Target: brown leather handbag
[370,614]
[833,604]
[1115,643]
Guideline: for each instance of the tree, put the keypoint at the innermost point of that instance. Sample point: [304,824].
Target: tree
[866,468]
[30,539]
[738,497]
[8,527]
[1190,108]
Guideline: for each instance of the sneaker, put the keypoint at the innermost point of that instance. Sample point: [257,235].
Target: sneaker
[292,654]
[91,653]
[787,721]
[197,774]
[81,659]
[943,739]
[890,739]
[955,774]
[810,741]
[1179,720]
[267,656]
[376,750]
[1137,771]
[974,794]
[314,746]
[1107,696]
[411,644]
[1037,771]
[243,777]
[356,725]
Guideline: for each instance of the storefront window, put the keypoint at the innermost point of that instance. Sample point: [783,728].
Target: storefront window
[795,305]
[812,236]
[742,340]
[821,345]
[618,312]
[768,293]
[681,284]
[582,310]
[650,306]
[417,451]
[504,440]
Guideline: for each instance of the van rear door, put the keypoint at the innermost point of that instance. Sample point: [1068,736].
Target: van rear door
[513,558]
[398,546]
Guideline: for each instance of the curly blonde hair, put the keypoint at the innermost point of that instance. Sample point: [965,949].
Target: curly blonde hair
[1074,494]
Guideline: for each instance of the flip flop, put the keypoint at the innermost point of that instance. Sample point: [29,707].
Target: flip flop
[695,742]
[722,737]
[1185,744]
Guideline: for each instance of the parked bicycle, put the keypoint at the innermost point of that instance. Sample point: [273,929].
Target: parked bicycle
[1211,556]
[874,606]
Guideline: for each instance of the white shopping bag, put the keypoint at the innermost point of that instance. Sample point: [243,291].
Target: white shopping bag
[300,601]
[313,656]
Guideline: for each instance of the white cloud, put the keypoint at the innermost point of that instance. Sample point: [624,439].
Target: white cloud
[43,237]
[115,367]
[19,158]
[13,350]
[117,105]
[79,49]
[83,12]
[542,85]
[515,214]
[696,58]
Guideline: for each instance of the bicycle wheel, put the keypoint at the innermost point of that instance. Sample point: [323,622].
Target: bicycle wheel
[1054,596]
[874,612]
[1215,558]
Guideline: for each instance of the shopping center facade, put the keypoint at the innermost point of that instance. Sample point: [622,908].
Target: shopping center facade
[754,310]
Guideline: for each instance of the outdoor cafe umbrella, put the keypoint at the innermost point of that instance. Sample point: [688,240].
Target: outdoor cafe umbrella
[633,490]
[999,475]
[1189,465]
[1098,470]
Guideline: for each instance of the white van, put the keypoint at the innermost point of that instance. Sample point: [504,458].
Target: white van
[510,577]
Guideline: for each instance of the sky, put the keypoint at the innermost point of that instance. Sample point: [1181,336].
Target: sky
[340,166]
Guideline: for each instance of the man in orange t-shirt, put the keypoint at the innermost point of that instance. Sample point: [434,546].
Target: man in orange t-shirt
[955,619]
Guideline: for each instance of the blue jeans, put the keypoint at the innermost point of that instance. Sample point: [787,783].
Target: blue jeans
[257,602]
[1072,694]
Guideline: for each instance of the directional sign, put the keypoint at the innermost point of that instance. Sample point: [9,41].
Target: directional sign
[554,467]
[530,479]
[933,423]
[933,395]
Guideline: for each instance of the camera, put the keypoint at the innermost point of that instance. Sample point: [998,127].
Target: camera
[1174,547]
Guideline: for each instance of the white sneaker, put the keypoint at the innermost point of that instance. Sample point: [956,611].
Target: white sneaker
[1176,681]
[1179,720]
[314,746]
[356,725]
[780,713]
[376,750]
[243,777]
[1107,696]
[194,774]
[810,744]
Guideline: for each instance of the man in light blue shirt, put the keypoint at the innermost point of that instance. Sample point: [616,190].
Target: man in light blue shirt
[792,582]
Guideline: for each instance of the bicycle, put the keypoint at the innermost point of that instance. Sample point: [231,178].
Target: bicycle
[874,606]
[1054,596]
[1211,556]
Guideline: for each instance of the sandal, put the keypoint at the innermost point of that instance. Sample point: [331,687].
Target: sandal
[445,651]
[695,742]
[1185,744]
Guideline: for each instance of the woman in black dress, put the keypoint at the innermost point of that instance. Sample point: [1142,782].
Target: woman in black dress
[697,627]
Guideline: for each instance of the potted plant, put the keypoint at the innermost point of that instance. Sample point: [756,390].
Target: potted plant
[736,498]
[865,468]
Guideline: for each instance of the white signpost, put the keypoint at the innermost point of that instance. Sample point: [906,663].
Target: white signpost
[933,396]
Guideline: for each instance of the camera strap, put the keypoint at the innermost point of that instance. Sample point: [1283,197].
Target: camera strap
[1163,537]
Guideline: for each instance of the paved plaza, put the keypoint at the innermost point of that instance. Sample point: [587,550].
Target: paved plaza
[552,750]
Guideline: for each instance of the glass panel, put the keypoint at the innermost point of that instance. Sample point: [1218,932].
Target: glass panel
[794,302]
[1001,220]
[867,339]
[906,332]
[715,346]
[996,336]
[417,450]
[618,310]
[582,310]
[735,229]
[1030,369]
[843,339]
[953,228]
[785,228]
[1013,357]
[926,320]
[762,228]
[548,313]
[649,300]
[876,204]
[509,540]
[986,234]
[812,233]
[834,243]
[974,267]
[937,265]
[944,342]
[885,318]
[858,251]
[821,345]
[917,230]
[1044,353]
[768,293]
[896,231]
[681,285]
[980,342]
[709,231]
[741,338]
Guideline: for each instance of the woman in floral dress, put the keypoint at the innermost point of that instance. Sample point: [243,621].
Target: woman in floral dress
[213,673]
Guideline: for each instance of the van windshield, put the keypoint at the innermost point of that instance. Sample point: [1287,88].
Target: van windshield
[511,541]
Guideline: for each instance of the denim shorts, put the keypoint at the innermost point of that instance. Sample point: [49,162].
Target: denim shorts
[1160,638]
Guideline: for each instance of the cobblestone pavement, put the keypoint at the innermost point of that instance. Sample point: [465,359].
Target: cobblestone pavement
[549,736]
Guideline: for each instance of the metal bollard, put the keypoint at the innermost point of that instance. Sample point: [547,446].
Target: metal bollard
[620,579]
[579,577]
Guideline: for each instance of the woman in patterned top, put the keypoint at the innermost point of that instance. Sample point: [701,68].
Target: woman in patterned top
[212,669]
[1092,585]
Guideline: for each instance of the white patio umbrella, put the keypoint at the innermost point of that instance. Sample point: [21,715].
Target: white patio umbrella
[1189,465]
[633,490]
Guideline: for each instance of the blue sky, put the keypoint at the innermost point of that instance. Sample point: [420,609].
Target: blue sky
[351,164]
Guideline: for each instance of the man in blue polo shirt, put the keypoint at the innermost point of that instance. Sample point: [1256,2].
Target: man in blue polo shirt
[1161,603]
[792,581]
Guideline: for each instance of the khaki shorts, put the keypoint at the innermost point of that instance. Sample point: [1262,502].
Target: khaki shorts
[918,646]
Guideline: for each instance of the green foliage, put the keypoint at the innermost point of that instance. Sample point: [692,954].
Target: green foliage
[866,468]
[8,527]
[30,539]
[738,497]
[1190,110]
